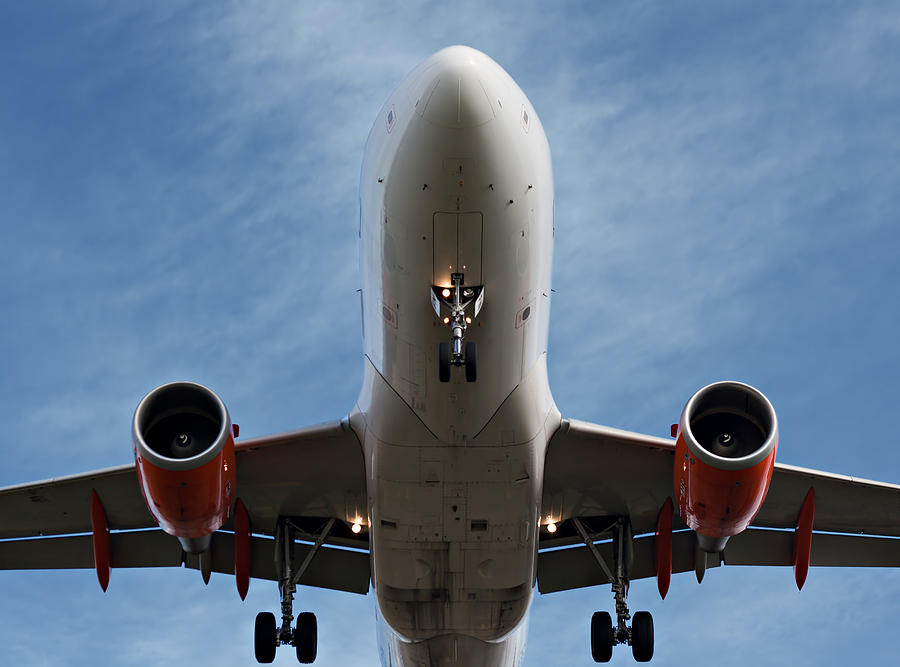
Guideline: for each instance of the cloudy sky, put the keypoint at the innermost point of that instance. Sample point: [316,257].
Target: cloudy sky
[179,201]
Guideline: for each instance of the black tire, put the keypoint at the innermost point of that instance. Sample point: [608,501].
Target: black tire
[602,638]
[642,636]
[444,362]
[265,637]
[471,362]
[306,637]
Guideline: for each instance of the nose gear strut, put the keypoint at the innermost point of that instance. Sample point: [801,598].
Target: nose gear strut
[451,304]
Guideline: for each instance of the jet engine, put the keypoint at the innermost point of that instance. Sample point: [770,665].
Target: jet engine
[184,454]
[724,458]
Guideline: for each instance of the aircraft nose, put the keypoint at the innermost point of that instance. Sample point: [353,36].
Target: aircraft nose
[457,94]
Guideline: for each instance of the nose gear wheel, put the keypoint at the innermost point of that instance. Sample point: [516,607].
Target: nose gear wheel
[457,306]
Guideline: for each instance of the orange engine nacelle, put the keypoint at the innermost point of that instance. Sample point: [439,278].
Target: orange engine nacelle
[724,458]
[184,451]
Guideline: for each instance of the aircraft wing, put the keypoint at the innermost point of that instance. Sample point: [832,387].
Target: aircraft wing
[596,473]
[311,475]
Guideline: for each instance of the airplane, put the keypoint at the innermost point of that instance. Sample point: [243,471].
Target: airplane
[455,486]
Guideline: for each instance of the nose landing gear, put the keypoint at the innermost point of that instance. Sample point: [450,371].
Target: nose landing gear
[454,301]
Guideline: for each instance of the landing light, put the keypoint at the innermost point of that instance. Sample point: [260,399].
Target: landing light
[356,527]
[551,527]
[446,320]
[445,293]
[468,320]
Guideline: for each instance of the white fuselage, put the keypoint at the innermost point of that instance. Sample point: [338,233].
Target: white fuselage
[456,178]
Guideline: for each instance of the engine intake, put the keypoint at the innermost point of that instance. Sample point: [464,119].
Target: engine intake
[184,453]
[180,421]
[724,458]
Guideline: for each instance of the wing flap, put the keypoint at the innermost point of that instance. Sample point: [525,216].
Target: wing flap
[145,548]
[336,569]
[775,547]
[565,569]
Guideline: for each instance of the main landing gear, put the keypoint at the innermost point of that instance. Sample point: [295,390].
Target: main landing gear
[267,637]
[603,634]
[455,300]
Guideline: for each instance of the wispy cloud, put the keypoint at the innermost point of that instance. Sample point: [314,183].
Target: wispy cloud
[180,201]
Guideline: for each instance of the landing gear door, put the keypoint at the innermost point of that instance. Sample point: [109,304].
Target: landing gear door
[445,242]
[469,257]
[457,247]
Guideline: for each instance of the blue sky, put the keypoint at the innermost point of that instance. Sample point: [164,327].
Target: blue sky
[179,201]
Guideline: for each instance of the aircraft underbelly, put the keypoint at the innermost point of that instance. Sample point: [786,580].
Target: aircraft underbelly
[456,531]
[454,525]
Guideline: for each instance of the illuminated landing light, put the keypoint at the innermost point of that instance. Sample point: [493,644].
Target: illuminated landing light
[356,527]
[468,320]
[446,320]
[445,293]
[551,527]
